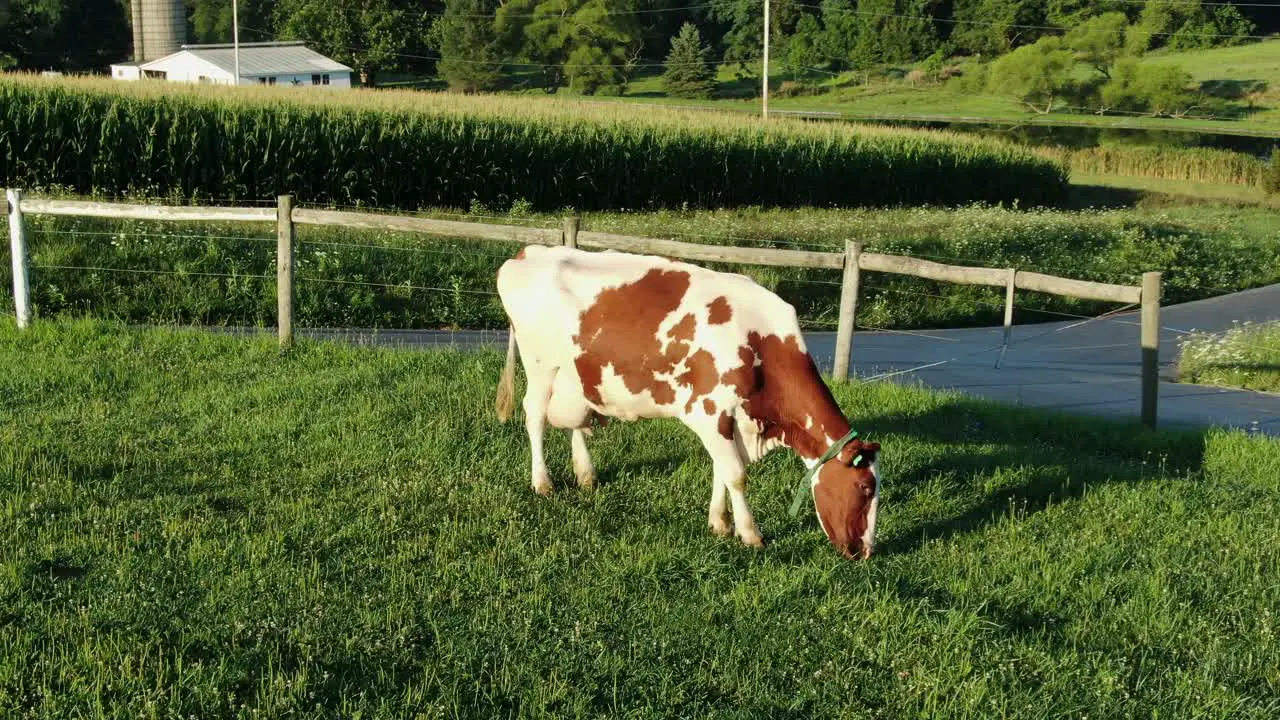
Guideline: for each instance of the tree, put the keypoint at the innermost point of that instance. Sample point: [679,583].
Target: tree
[372,36]
[1099,41]
[471,57]
[211,20]
[1160,89]
[688,71]
[840,30]
[588,44]
[1036,74]
[1163,87]
[803,46]
[993,27]
[66,35]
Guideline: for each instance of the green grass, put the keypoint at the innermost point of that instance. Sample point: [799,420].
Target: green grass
[449,283]
[1246,356]
[408,150]
[201,526]
[1181,191]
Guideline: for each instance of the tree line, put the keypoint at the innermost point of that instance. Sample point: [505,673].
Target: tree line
[598,46]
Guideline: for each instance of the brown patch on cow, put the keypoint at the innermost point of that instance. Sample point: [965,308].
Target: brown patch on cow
[719,311]
[708,406]
[683,330]
[621,330]
[700,376]
[662,393]
[746,377]
[784,392]
[725,426]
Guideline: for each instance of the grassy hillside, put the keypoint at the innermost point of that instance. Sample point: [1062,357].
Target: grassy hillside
[201,526]
[1247,75]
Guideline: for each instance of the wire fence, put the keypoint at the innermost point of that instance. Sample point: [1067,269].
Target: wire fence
[458,290]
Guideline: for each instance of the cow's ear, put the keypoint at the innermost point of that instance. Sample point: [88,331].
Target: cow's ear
[850,452]
[867,454]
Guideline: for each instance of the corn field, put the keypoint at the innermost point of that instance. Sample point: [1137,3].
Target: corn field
[411,150]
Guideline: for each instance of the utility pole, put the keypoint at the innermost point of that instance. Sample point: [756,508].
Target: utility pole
[765,83]
[235,38]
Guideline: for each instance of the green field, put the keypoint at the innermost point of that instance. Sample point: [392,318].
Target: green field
[1247,75]
[198,525]
[408,150]
[1245,356]
[449,283]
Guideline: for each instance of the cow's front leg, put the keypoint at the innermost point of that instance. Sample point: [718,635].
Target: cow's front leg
[536,398]
[729,476]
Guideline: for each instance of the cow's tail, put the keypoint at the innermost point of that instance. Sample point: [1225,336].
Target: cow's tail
[507,385]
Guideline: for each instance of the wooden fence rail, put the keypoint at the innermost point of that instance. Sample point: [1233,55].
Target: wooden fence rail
[852,261]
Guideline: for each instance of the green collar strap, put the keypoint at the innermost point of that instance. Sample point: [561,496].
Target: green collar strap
[807,482]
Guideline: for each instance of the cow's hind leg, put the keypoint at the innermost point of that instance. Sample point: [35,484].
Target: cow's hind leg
[729,477]
[536,397]
[568,409]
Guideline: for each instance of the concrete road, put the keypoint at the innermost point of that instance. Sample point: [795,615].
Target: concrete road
[1091,368]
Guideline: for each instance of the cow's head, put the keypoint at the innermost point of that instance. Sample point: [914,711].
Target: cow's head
[845,495]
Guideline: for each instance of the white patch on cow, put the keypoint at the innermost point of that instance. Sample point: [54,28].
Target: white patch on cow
[869,535]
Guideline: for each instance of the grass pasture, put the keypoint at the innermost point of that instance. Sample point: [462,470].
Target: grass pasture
[200,525]
[1245,356]
[408,150]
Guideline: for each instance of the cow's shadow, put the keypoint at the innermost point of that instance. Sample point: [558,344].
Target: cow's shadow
[1041,459]
[1055,458]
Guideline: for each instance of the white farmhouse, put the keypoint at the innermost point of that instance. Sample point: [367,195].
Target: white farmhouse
[264,63]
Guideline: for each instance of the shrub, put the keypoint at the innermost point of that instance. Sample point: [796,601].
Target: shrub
[1271,176]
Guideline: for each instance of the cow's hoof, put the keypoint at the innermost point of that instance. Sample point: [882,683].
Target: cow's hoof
[586,479]
[542,485]
[751,539]
[720,527]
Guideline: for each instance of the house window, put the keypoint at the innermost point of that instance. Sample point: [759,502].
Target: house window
[324,79]
[262,81]
[315,79]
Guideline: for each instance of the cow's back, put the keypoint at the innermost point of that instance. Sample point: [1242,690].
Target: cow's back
[638,325]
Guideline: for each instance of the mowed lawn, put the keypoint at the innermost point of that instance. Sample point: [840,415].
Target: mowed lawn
[197,525]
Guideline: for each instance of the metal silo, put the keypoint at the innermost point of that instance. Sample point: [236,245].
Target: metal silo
[159,28]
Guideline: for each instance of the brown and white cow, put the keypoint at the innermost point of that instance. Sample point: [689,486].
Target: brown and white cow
[610,334]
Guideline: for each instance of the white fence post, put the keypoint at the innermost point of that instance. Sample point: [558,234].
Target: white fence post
[18,251]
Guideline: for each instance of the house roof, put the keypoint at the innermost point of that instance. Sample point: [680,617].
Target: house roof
[268,58]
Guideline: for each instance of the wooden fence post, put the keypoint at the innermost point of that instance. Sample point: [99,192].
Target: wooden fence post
[284,268]
[1150,346]
[18,252]
[571,232]
[848,310]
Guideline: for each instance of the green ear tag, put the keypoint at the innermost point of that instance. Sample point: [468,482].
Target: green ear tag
[857,460]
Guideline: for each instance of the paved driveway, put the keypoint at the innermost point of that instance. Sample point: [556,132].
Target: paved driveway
[1081,367]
